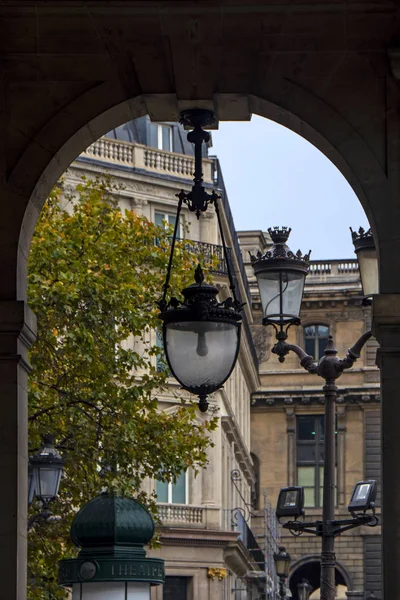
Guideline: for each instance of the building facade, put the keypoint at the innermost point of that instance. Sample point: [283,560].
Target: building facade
[206,540]
[287,426]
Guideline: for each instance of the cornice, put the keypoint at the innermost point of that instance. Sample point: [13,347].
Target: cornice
[349,396]
[242,454]
[186,536]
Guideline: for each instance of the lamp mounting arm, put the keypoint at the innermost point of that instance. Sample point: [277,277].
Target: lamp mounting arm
[330,528]
[330,367]
[282,348]
[197,200]
[354,352]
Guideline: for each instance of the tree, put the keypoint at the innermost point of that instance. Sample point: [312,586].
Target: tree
[94,276]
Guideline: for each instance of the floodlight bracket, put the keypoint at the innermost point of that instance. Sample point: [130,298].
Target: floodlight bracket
[330,528]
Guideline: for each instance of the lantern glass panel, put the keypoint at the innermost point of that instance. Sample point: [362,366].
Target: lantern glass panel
[282,566]
[281,293]
[368,265]
[201,353]
[49,482]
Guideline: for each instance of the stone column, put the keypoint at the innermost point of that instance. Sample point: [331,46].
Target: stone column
[386,329]
[208,226]
[211,492]
[211,489]
[17,332]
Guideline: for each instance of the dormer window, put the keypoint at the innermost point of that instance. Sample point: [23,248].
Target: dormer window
[316,339]
[161,136]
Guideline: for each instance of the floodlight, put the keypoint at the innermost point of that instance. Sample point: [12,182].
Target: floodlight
[290,502]
[363,496]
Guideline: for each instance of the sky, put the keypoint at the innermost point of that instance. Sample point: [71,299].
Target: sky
[275,177]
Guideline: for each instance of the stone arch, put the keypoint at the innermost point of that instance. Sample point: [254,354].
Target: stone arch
[308,567]
[104,107]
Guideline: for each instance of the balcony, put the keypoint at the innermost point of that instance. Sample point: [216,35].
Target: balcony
[140,157]
[210,255]
[337,275]
[334,268]
[181,514]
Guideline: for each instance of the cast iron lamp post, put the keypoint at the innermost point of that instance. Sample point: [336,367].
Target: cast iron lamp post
[281,275]
[201,336]
[282,567]
[44,475]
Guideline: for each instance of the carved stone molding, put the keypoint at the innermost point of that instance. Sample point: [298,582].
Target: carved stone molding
[136,202]
[260,399]
[262,341]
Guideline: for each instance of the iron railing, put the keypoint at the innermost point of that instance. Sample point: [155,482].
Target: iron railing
[211,255]
[247,538]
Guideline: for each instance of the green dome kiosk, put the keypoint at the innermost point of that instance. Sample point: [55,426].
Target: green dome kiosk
[112,564]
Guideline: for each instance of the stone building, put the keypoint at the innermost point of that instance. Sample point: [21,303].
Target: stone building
[209,548]
[287,428]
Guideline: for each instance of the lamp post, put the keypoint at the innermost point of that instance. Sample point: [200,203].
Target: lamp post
[201,336]
[44,475]
[282,567]
[281,276]
[111,532]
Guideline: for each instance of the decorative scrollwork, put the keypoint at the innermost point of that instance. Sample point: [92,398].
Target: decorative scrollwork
[235,512]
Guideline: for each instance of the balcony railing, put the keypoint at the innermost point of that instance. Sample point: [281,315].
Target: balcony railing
[181,514]
[247,538]
[334,268]
[210,254]
[128,154]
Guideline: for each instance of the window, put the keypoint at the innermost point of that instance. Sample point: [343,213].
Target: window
[161,136]
[173,493]
[160,218]
[310,458]
[316,339]
[175,588]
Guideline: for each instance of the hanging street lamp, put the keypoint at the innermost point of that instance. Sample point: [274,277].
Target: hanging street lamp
[111,532]
[282,567]
[364,247]
[44,475]
[280,274]
[201,336]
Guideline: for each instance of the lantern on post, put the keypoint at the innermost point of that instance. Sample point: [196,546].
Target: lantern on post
[364,247]
[281,276]
[282,567]
[304,589]
[45,470]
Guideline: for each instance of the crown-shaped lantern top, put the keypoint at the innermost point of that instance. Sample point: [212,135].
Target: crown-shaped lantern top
[280,250]
[362,239]
[279,236]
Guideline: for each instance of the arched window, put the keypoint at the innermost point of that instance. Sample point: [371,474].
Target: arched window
[315,339]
